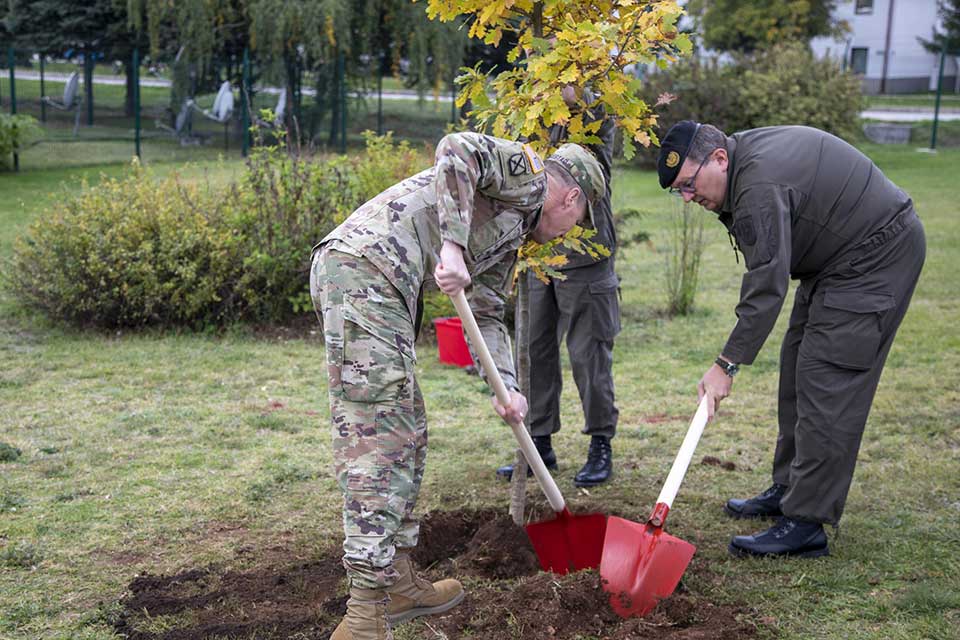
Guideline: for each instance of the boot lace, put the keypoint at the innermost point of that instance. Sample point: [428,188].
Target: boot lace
[774,490]
[783,527]
[598,448]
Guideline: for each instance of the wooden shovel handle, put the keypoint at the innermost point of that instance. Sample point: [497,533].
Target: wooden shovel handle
[530,452]
[682,461]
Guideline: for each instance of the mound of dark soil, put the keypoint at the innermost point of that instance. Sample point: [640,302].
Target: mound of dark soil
[507,596]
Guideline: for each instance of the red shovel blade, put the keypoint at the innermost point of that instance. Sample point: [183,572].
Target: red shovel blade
[568,542]
[641,565]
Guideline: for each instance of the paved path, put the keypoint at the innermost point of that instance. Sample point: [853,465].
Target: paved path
[906,114]
[120,80]
[885,115]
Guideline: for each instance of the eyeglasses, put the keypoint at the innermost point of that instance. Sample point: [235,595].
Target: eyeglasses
[689,186]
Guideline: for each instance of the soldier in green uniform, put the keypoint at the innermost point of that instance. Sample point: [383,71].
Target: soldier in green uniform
[451,226]
[586,307]
[801,203]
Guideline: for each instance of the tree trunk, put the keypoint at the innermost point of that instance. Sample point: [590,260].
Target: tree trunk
[518,482]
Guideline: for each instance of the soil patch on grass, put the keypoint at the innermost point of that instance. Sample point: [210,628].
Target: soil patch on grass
[507,596]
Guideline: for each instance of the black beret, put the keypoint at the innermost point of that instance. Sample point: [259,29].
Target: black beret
[673,150]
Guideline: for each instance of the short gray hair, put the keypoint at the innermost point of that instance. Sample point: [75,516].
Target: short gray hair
[567,181]
[708,139]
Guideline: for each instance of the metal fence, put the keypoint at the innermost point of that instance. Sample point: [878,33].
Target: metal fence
[92,111]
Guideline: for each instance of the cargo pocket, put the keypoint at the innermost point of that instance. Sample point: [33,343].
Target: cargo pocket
[850,328]
[373,369]
[605,305]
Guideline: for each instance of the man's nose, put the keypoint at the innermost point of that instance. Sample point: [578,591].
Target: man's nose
[687,195]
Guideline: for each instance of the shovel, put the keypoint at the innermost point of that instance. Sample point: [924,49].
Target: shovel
[641,564]
[568,542]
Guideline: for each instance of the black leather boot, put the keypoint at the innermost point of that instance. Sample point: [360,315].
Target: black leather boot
[788,537]
[547,454]
[599,466]
[765,505]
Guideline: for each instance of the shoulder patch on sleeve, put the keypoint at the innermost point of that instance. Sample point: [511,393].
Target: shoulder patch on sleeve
[517,164]
[536,164]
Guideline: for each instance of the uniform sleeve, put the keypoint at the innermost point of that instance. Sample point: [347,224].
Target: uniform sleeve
[464,164]
[604,150]
[488,300]
[761,225]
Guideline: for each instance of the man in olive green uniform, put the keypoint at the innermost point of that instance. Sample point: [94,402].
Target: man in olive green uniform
[457,223]
[802,203]
[586,307]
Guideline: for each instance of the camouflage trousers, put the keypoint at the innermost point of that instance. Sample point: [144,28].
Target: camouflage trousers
[376,411]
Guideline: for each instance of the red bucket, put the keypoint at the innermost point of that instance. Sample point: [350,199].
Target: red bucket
[450,342]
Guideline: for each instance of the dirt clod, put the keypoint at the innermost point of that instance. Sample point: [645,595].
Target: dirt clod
[507,596]
[713,461]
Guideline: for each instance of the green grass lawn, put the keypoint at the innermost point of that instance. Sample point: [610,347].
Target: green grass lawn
[156,452]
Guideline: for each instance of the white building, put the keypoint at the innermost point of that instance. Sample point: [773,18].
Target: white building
[882,45]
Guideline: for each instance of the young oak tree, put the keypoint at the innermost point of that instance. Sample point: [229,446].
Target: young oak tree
[562,45]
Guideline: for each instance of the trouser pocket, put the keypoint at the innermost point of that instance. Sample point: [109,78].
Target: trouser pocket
[372,369]
[846,328]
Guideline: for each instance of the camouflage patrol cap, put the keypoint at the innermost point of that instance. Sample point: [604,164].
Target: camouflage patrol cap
[585,170]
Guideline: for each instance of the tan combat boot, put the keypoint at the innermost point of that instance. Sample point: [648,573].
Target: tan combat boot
[412,596]
[366,617]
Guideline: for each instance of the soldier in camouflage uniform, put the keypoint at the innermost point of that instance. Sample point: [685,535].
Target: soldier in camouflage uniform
[457,223]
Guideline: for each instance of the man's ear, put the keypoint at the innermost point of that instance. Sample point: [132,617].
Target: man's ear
[720,155]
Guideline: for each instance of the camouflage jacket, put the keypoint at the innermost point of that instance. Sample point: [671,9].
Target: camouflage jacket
[483,193]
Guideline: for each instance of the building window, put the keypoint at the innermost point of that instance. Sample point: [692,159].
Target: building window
[858,60]
[864,6]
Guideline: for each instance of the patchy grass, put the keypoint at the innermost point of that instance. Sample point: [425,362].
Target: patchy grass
[158,452]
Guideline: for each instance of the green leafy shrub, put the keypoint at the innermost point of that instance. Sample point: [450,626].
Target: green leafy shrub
[682,266]
[16,131]
[789,85]
[131,251]
[137,251]
[785,84]
[284,203]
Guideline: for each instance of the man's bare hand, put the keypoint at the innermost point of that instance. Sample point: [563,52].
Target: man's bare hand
[451,273]
[716,384]
[516,412]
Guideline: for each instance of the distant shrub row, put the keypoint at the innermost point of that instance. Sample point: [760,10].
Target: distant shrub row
[138,251]
[786,84]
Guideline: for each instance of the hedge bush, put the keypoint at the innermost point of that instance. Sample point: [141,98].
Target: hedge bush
[786,84]
[137,251]
[16,131]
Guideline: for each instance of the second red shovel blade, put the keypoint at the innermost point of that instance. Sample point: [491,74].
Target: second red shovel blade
[641,565]
[568,542]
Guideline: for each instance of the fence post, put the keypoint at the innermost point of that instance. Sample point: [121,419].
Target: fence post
[88,84]
[13,100]
[936,109]
[136,99]
[245,100]
[380,94]
[341,64]
[43,93]
[453,98]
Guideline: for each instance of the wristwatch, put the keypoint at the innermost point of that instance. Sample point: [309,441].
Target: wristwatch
[729,368]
